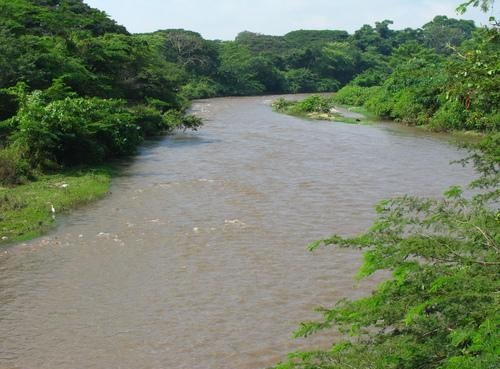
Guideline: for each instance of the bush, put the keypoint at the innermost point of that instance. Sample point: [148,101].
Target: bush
[311,104]
[354,95]
[451,115]
[406,107]
[175,119]
[282,104]
[380,103]
[149,119]
[201,89]
[74,130]
[14,169]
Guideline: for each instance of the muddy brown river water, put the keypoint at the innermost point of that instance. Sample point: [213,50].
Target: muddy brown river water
[198,258]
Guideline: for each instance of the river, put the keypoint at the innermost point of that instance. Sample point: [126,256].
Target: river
[198,259]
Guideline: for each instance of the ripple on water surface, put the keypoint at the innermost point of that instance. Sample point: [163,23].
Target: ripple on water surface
[198,259]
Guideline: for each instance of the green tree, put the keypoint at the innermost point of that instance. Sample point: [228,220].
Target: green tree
[236,72]
[340,61]
[474,81]
[485,5]
[443,33]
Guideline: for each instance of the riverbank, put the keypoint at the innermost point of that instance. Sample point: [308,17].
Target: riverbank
[31,209]
[87,134]
[327,108]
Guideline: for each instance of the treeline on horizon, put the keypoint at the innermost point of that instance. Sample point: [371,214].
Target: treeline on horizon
[77,88]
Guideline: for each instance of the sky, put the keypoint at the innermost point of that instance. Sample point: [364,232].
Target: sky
[224,19]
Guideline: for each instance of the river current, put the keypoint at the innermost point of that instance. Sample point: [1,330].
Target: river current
[198,258]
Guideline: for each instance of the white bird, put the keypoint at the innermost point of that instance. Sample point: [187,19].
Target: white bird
[53,210]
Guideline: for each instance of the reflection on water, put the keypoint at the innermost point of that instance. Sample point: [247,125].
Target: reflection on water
[198,258]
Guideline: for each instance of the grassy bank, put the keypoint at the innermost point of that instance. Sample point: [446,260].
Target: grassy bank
[26,210]
[318,107]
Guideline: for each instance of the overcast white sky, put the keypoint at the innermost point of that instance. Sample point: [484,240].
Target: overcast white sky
[224,19]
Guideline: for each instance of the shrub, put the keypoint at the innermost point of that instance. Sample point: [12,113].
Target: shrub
[380,102]
[282,104]
[149,119]
[406,107]
[311,104]
[175,119]
[201,89]
[74,130]
[14,169]
[354,95]
[451,115]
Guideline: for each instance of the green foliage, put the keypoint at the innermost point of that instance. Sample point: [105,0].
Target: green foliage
[104,90]
[200,89]
[327,85]
[313,103]
[236,73]
[474,80]
[341,60]
[420,86]
[14,168]
[61,17]
[485,5]
[282,104]
[450,116]
[354,95]
[440,307]
[413,88]
[259,43]
[460,92]
[315,39]
[371,77]
[45,41]
[150,120]
[74,130]
[75,88]
[300,80]
[177,120]
[444,33]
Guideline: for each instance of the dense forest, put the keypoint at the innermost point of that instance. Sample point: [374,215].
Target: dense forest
[441,86]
